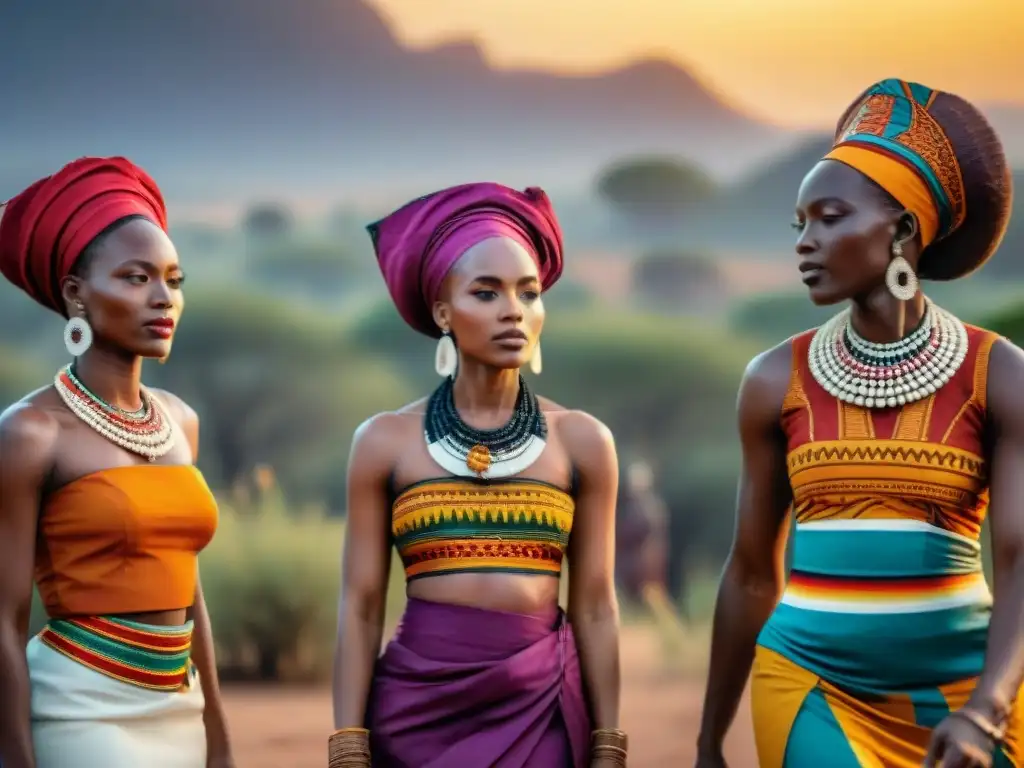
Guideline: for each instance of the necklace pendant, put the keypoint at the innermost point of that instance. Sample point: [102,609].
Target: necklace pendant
[478,459]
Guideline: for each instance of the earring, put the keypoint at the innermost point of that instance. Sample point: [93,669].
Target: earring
[446,358]
[77,335]
[899,276]
[536,364]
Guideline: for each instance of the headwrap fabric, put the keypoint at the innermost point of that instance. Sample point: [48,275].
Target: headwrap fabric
[418,244]
[45,228]
[894,140]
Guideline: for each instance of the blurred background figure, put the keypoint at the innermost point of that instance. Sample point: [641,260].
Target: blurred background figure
[642,555]
[641,535]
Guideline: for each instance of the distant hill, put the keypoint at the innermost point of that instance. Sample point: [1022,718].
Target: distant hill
[228,98]
[753,213]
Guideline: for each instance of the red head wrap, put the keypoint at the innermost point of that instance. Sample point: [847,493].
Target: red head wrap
[44,229]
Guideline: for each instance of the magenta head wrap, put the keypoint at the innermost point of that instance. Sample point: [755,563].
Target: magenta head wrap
[418,244]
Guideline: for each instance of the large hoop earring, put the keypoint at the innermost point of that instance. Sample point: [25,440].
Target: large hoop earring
[536,363]
[899,275]
[446,358]
[77,336]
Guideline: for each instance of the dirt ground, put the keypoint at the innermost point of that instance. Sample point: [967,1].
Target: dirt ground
[288,728]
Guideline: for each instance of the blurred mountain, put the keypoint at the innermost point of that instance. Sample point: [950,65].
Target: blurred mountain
[228,98]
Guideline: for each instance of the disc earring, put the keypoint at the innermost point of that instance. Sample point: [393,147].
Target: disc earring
[77,336]
[899,275]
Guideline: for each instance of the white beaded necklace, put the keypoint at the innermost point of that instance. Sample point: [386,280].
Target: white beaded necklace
[872,375]
[149,433]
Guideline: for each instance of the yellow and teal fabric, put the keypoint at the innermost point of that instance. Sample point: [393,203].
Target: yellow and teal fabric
[881,630]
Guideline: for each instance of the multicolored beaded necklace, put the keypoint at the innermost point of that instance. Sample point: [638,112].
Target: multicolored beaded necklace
[147,432]
[469,452]
[873,375]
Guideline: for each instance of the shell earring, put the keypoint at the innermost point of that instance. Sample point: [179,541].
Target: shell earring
[899,276]
[446,357]
[536,363]
[77,334]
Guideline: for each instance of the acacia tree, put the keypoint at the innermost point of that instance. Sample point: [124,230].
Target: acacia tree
[654,190]
[267,220]
[668,277]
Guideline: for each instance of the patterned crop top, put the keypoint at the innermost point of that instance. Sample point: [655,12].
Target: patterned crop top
[461,525]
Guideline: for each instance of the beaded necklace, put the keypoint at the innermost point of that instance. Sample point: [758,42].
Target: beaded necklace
[872,375]
[469,452]
[147,431]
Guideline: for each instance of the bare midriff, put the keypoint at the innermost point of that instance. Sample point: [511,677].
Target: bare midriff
[508,592]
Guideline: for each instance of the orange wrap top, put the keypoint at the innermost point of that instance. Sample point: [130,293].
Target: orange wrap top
[124,540]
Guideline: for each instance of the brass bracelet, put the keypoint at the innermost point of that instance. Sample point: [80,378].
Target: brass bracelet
[609,736]
[983,724]
[349,748]
[352,731]
[616,755]
[609,744]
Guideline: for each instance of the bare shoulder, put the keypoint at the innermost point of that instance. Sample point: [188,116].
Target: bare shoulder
[183,415]
[29,434]
[765,381]
[772,368]
[382,432]
[1005,372]
[180,411]
[587,439]
[577,427]
[1006,360]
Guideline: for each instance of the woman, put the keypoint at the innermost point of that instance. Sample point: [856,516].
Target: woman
[478,487]
[886,431]
[99,497]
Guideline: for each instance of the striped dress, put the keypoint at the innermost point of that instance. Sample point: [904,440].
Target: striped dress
[882,628]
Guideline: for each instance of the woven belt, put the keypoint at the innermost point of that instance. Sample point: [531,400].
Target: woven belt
[147,656]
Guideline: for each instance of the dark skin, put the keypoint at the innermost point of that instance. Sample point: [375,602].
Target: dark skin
[493,288]
[847,228]
[128,278]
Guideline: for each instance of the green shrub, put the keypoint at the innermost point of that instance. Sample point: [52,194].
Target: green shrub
[270,578]
[774,317]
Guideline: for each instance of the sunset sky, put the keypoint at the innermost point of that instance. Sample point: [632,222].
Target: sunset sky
[793,62]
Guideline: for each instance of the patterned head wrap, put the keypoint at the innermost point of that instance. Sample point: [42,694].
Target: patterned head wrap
[893,139]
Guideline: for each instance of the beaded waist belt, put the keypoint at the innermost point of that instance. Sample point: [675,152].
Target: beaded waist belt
[144,655]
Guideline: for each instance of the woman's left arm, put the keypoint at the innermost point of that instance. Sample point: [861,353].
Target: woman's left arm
[218,746]
[593,607]
[989,706]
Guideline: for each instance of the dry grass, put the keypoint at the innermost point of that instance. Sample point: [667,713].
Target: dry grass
[661,703]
